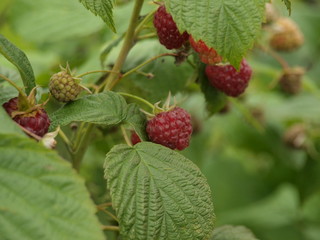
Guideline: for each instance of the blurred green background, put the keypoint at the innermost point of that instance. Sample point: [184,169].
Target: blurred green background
[257,178]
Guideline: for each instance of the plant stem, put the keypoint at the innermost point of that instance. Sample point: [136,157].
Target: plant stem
[109,213]
[111,228]
[125,136]
[143,22]
[96,71]
[146,62]
[84,132]
[137,98]
[13,84]
[128,43]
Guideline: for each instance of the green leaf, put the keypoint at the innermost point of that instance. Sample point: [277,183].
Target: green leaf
[228,232]
[106,108]
[137,120]
[230,27]
[42,197]
[20,60]
[7,125]
[215,99]
[103,8]
[158,193]
[288,5]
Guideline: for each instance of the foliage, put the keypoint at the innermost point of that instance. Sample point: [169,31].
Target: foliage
[239,159]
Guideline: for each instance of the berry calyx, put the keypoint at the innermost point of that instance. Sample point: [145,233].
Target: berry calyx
[35,121]
[227,79]
[286,36]
[207,55]
[171,128]
[63,86]
[135,138]
[167,30]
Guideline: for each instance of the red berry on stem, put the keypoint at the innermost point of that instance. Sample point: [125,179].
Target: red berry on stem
[167,30]
[172,129]
[36,122]
[228,80]
[135,138]
[207,55]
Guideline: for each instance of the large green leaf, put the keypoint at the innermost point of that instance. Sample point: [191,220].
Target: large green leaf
[106,108]
[103,8]
[228,232]
[41,196]
[137,120]
[230,27]
[20,60]
[158,193]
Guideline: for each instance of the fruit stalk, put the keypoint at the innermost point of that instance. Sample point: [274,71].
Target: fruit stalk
[113,78]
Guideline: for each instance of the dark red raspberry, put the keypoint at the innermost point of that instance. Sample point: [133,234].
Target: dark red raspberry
[167,30]
[228,80]
[172,129]
[135,138]
[36,122]
[207,55]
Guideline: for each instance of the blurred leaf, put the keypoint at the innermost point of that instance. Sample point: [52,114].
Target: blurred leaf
[311,210]
[103,8]
[6,93]
[228,232]
[106,108]
[279,209]
[153,186]
[230,27]
[38,188]
[51,21]
[20,60]
[215,99]
[137,120]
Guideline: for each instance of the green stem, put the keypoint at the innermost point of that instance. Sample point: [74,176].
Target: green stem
[13,84]
[137,98]
[84,132]
[128,43]
[96,71]
[146,62]
[65,138]
[111,228]
[125,136]
[143,22]
[83,139]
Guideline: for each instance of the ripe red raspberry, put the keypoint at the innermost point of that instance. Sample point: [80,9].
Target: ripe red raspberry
[135,138]
[167,30]
[227,79]
[36,122]
[171,129]
[207,55]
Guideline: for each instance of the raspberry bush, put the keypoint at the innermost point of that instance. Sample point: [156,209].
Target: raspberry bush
[199,120]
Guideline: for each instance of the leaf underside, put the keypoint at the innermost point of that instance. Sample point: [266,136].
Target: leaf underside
[18,58]
[102,8]
[230,27]
[158,193]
